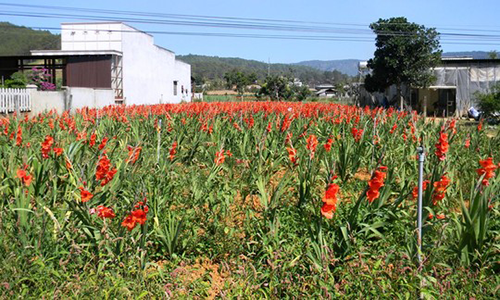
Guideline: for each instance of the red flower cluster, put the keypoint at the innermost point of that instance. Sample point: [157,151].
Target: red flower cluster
[375,183]
[105,212]
[173,150]
[467,143]
[312,143]
[85,195]
[103,143]
[414,193]
[330,201]
[292,154]
[137,216]
[104,172]
[133,154]
[47,146]
[488,169]
[219,157]
[328,145]
[440,189]
[92,139]
[25,177]
[442,146]
[357,133]
[19,136]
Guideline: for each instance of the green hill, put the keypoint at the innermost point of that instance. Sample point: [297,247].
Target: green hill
[213,68]
[19,40]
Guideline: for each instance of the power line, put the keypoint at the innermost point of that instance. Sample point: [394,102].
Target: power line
[341,34]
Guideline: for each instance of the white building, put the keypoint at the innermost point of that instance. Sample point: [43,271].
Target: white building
[117,56]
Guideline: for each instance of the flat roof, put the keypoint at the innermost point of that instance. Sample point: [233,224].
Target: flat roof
[74,52]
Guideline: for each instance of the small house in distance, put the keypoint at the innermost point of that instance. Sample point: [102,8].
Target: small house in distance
[111,55]
[325,91]
[457,80]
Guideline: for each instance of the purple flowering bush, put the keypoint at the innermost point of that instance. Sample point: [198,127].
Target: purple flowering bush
[40,77]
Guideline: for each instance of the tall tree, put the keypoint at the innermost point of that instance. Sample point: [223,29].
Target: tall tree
[239,80]
[405,54]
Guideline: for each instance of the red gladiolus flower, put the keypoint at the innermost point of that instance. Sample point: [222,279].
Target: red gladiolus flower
[442,146]
[85,195]
[92,140]
[139,216]
[440,216]
[467,143]
[104,173]
[19,136]
[480,126]
[488,169]
[357,133]
[25,177]
[58,151]
[173,150]
[133,154]
[292,154]
[219,157]
[103,143]
[440,189]
[81,136]
[415,189]
[46,146]
[376,183]
[330,201]
[269,127]
[129,223]
[328,145]
[105,212]
[312,143]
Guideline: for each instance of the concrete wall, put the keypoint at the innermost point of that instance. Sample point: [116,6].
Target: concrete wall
[149,71]
[47,101]
[70,99]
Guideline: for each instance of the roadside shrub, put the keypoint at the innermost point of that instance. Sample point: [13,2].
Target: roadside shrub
[490,103]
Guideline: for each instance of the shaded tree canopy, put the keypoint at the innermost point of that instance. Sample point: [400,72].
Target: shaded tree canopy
[405,53]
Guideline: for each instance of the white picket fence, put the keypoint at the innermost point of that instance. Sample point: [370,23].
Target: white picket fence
[12,100]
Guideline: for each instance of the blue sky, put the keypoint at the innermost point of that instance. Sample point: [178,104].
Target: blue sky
[453,16]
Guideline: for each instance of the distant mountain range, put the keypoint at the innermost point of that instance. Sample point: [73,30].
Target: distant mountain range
[214,67]
[346,66]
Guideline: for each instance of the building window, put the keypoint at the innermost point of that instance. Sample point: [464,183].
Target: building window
[175,87]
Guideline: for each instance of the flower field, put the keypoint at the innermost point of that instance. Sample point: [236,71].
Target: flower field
[252,199]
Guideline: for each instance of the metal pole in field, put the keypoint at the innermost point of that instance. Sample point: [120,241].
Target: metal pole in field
[421,159]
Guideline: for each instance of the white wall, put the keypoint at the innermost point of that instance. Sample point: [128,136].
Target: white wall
[182,73]
[91,36]
[149,71]
[46,101]
[94,98]
[60,100]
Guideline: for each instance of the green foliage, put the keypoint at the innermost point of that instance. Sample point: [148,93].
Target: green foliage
[489,103]
[17,80]
[405,53]
[20,40]
[251,225]
[280,87]
[239,80]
